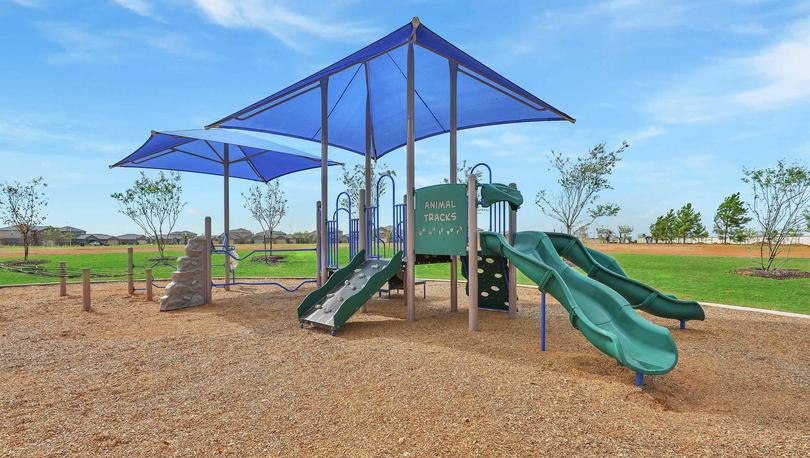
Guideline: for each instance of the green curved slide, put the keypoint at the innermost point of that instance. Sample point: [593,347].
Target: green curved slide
[601,314]
[607,271]
[347,290]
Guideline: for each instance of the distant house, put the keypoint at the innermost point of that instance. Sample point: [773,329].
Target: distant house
[240,235]
[96,239]
[132,239]
[277,237]
[9,236]
[179,237]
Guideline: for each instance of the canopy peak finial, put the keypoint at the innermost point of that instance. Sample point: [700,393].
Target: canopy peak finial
[415,22]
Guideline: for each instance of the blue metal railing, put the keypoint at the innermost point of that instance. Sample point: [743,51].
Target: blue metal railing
[230,280]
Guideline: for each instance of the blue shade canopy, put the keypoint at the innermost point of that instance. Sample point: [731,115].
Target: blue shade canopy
[377,75]
[203,151]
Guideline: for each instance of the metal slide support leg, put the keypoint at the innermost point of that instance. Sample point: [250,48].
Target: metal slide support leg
[543,320]
[639,379]
[682,324]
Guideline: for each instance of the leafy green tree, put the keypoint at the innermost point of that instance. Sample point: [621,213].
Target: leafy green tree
[731,218]
[22,206]
[154,205]
[581,180]
[663,229]
[688,224]
[781,198]
[354,180]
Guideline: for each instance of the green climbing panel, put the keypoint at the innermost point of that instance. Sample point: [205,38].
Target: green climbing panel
[493,293]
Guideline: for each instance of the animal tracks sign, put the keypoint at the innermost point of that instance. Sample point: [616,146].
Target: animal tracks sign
[441,219]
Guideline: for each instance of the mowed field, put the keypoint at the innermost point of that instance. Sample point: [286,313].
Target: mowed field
[700,272]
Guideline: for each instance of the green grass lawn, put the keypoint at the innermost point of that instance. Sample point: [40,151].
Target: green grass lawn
[710,279]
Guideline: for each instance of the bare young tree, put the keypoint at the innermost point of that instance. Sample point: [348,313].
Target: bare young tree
[154,205]
[781,196]
[22,206]
[354,180]
[268,207]
[581,181]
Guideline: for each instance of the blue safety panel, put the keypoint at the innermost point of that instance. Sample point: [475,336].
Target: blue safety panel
[203,151]
[376,76]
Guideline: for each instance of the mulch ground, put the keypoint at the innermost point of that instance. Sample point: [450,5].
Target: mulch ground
[240,378]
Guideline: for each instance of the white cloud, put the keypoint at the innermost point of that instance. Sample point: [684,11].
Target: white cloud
[281,22]
[80,45]
[774,77]
[27,3]
[652,131]
[139,7]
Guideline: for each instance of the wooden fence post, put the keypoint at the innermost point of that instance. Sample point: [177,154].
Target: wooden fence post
[86,289]
[148,284]
[62,280]
[130,272]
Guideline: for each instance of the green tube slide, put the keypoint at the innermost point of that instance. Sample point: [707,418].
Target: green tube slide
[607,271]
[601,314]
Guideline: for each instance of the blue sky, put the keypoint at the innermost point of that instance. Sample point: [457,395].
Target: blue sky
[699,89]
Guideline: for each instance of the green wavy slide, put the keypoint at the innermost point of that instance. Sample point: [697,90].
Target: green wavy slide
[607,271]
[332,304]
[601,314]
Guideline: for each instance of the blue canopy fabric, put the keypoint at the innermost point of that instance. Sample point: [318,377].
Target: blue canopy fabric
[203,151]
[377,74]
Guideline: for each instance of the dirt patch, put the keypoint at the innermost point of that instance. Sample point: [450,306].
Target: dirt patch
[775,274]
[24,263]
[268,260]
[239,377]
[696,249]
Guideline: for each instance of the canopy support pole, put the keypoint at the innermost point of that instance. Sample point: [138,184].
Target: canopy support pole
[324,174]
[453,172]
[472,252]
[226,220]
[410,271]
[366,201]
[512,269]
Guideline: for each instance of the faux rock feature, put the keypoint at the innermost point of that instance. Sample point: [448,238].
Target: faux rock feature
[187,288]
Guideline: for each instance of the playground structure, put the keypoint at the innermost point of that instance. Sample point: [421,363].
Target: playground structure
[435,223]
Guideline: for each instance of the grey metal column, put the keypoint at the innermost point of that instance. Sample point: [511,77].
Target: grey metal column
[361,235]
[472,251]
[453,172]
[368,151]
[318,253]
[324,174]
[227,216]
[512,270]
[410,271]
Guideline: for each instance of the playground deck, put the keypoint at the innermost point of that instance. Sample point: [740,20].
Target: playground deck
[240,377]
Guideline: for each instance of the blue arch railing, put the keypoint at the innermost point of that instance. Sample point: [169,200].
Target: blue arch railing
[498,212]
[333,231]
[377,245]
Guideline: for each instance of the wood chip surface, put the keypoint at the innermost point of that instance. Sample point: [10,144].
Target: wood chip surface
[240,378]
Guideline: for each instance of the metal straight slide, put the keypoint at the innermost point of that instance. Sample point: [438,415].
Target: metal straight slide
[347,290]
[603,316]
[607,271]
